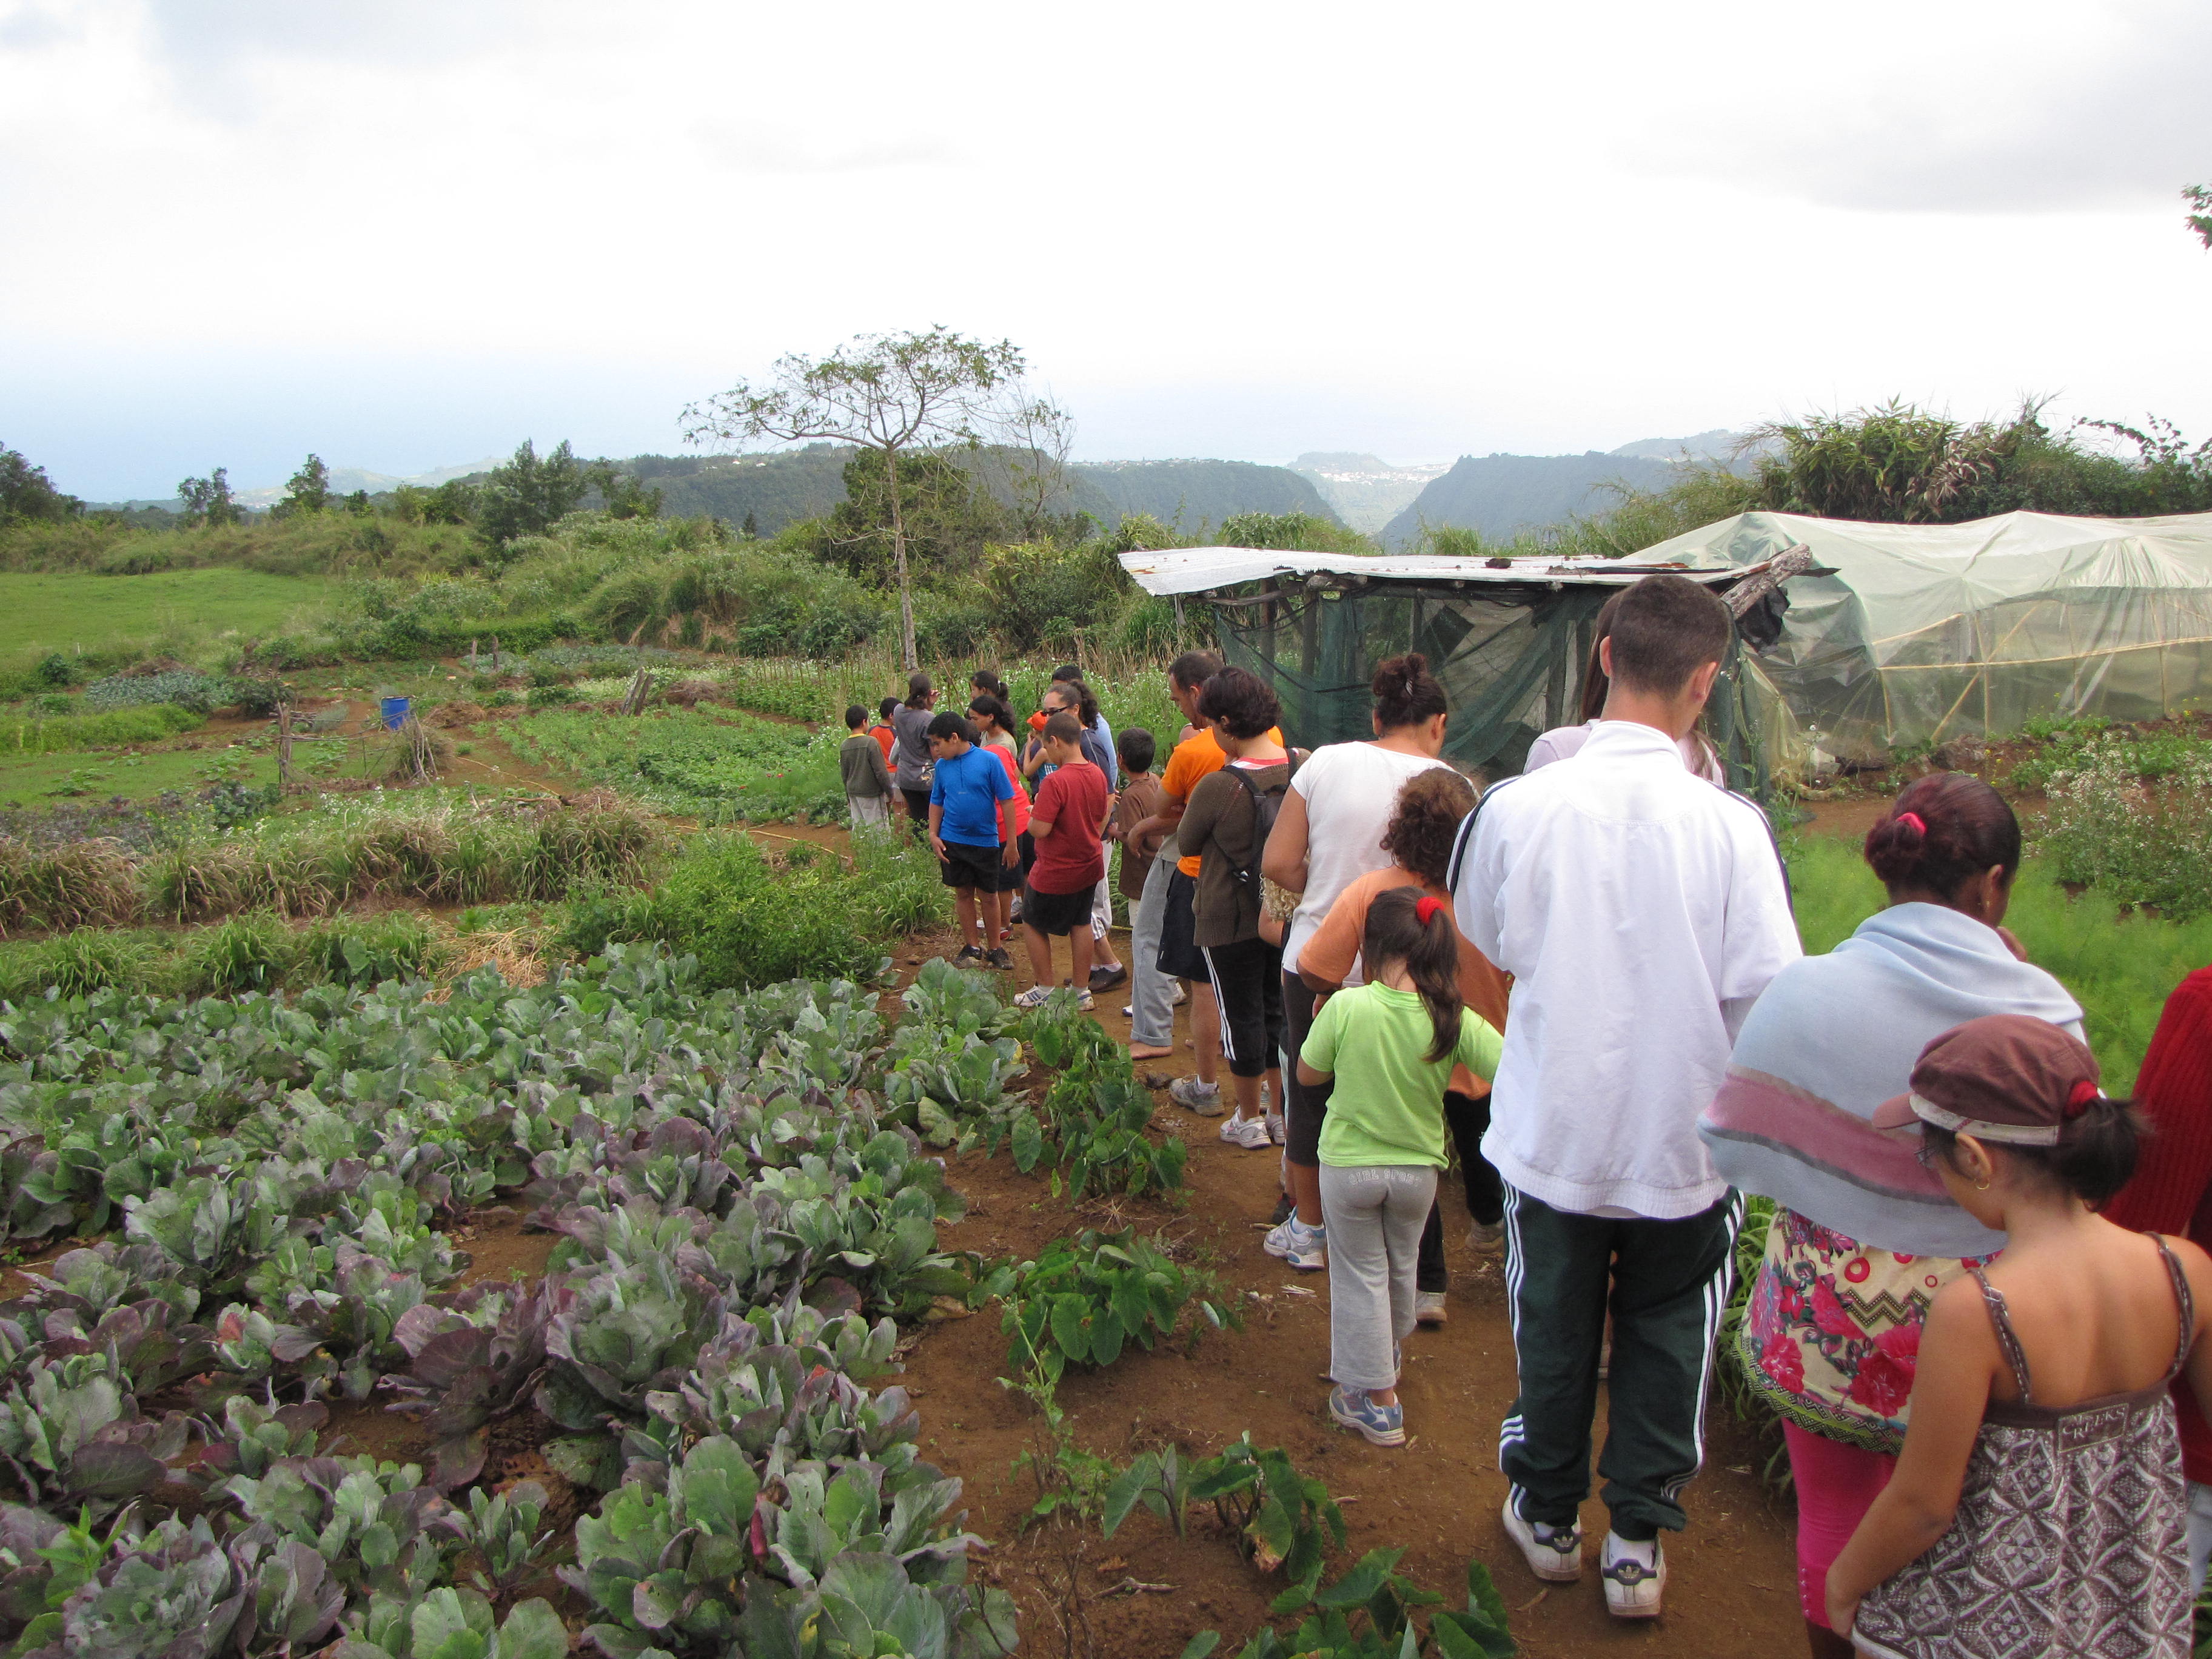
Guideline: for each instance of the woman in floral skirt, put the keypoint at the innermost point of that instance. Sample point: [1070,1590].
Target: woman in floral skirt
[1862,1236]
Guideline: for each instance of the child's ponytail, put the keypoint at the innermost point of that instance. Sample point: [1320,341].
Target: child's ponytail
[1405,925]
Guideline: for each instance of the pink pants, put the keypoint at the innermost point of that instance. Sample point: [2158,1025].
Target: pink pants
[1837,1485]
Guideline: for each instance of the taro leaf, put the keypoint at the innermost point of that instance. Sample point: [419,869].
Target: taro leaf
[1272,1534]
[1127,1489]
[1105,1337]
[1068,1314]
[1201,1645]
[1028,1140]
[1368,1576]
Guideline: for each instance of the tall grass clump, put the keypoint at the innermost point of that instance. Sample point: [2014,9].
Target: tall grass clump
[84,883]
[441,853]
[2120,967]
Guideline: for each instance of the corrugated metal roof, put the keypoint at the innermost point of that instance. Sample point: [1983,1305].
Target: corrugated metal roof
[1202,570]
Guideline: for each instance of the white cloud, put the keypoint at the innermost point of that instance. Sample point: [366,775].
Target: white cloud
[402,233]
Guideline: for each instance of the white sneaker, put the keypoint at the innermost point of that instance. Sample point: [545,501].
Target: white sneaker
[1082,1000]
[1249,1132]
[1034,997]
[1278,1241]
[1485,1237]
[1635,1576]
[1429,1307]
[1553,1554]
[1308,1249]
[1204,1098]
[1275,1132]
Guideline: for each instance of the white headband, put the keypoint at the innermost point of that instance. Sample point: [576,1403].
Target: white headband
[2018,1134]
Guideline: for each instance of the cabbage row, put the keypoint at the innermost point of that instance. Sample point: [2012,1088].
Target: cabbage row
[739,1228]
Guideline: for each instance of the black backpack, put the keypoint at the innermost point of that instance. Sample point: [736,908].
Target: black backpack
[1265,805]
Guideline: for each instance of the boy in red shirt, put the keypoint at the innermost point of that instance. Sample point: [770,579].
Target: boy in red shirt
[1066,821]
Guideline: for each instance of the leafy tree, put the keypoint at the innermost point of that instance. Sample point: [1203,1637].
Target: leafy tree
[2199,197]
[307,491]
[751,525]
[357,503]
[531,493]
[451,502]
[26,492]
[625,495]
[207,501]
[895,394]
[947,518]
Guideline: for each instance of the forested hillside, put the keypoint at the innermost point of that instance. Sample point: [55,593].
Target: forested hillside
[777,491]
[1499,496]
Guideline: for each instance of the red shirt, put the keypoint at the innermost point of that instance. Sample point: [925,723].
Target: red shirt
[2171,1191]
[1074,802]
[1019,805]
[886,736]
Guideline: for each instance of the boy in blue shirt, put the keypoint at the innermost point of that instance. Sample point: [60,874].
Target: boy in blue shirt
[970,824]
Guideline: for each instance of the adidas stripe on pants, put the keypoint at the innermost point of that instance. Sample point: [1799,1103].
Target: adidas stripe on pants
[1667,1284]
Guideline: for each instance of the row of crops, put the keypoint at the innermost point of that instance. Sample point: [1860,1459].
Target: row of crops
[738,1227]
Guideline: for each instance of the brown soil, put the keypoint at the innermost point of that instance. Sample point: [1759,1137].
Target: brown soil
[1733,1575]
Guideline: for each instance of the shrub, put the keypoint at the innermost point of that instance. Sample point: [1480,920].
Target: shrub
[2139,832]
[751,923]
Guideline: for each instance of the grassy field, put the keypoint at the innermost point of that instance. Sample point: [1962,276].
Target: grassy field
[41,613]
[41,780]
[2120,966]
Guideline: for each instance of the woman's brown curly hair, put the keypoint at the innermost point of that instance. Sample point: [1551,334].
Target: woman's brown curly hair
[1426,821]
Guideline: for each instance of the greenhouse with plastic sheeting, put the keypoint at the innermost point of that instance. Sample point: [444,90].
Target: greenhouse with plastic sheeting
[1896,635]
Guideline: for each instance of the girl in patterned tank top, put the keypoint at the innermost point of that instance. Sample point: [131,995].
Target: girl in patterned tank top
[2037,1505]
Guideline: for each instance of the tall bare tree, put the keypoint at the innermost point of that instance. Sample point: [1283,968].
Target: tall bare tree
[892,392]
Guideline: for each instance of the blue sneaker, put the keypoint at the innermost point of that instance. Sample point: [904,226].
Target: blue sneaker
[1355,1408]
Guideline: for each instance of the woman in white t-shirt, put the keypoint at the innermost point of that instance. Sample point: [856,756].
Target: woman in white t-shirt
[1327,835]
[1561,741]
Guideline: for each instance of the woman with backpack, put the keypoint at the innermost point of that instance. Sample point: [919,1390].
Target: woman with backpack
[1225,826]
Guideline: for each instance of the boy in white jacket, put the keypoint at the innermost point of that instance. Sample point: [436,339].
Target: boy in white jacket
[1640,910]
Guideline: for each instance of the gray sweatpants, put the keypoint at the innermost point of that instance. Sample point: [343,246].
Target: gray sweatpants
[1375,1213]
[1151,992]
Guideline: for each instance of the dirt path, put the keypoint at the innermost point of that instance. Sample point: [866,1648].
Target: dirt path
[1733,1573]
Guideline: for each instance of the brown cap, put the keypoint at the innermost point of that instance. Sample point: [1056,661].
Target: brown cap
[2005,1077]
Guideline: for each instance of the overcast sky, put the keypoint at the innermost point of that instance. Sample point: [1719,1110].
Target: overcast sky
[405,232]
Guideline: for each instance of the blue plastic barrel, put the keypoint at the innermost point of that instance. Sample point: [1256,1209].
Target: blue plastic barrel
[395,713]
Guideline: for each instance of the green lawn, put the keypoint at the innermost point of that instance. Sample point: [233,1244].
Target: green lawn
[42,612]
[2120,966]
[42,781]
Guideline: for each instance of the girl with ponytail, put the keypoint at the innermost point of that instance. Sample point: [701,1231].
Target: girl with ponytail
[2037,1506]
[1388,1048]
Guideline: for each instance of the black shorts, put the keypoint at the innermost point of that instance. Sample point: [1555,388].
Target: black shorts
[1306,1104]
[1180,956]
[1008,879]
[965,866]
[1056,915]
[1248,984]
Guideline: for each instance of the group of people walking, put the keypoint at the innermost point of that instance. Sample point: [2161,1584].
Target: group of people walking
[1587,984]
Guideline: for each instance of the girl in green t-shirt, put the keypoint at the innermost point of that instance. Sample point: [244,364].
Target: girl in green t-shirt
[1390,1046]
